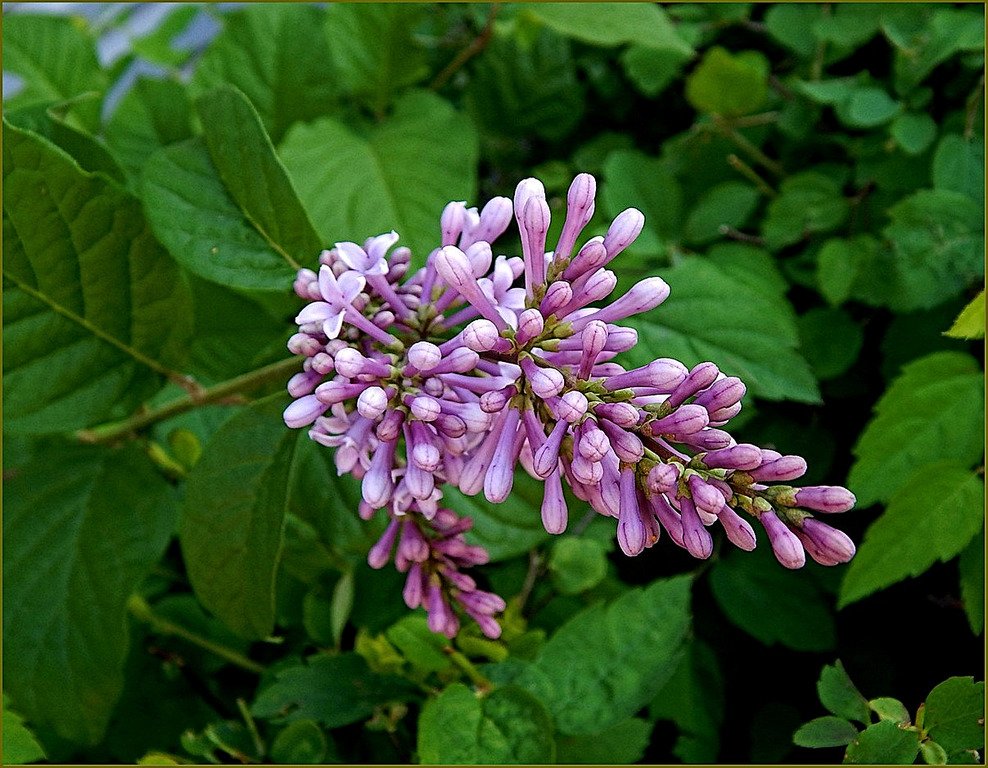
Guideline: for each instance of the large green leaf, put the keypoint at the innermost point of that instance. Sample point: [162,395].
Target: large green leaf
[374,50]
[883,743]
[54,56]
[807,203]
[840,696]
[19,744]
[507,726]
[82,527]
[621,744]
[253,175]
[233,517]
[396,175]
[959,165]
[970,323]
[972,568]
[933,410]
[955,714]
[729,84]
[931,517]
[277,54]
[608,661]
[507,529]
[608,25]
[88,293]
[750,333]
[633,180]
[196,218]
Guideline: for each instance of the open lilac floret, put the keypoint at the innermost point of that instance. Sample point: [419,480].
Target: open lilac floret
[474,365]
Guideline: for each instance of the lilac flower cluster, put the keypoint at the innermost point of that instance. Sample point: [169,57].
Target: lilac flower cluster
[473,365]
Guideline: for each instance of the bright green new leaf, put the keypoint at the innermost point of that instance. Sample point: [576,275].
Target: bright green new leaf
[931,517]
[422,647]
[807,203]
[621,744]
[970,323]
[749,333]
[374,50]
[826,731]
[606,662]
[577,564]
[959,166]
[88,292]
[913,132]
[934,410]
[867,107]
[233,516]
[888,708]
[972,568]
[883,743]
[334,690]
[606,24]
[508,725]
[633,180]
[19,745]
[840,696]
[729,84]
[727,205]
[933,754]
[302,742]
[771,603]
[253,175]
[394,175]
[77,543]
[280,57]
[955,714]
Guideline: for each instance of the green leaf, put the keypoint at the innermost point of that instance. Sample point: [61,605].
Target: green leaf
[577,564]
[333,690]
[830,340]
[849,26]
[521,87]
[54,55]
[835,270]
[280,57]
[729,84]
[955,714]
[807,203]
[933,753]
[931,517]
[507,726]
[728,309]
[20,746]
[826,731]
[421,646]
[934,410]
[88,292]
[888,708]
[926,36]
[832,92]
[301,742]
[727,205]
[771,603]
[92,522]
[375,51]
[792,25]
[153,114]
[959,166]
[621,744]
[867,107]
[634,180]
[606,662]
[883,743]
[694,700]
[840,696]
[609,25]
[972,568]
[392,176]
[914,132]
[970,323]
[233,516]
[651,70]
[508,529]
[253,175]
[196,218]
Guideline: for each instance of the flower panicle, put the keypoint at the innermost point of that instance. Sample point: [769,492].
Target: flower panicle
[456,373]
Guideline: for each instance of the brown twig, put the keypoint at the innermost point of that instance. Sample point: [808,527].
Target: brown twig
[476,46]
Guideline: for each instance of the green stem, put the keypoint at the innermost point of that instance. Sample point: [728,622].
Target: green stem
[140,609]
[251,726]
[751,174]
[466,666]
[251,380]
[753,152]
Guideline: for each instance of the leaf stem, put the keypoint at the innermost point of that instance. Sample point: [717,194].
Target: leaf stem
[466,666]
[251,380]
[751,174]
[140,610]
[752,151]
[476,46]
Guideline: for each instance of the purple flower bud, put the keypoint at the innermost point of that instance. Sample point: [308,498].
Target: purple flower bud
[380,553]
[459,360]
[631,532]
[724,415]
[785,545]
[424,356]
[412,545]
[626,445]
[669,517]
[451,222]
[825,498]
[571,407]
[700,377]
[743,456]
[705,497]
[304,344]
[826,545]
[579,210]
[425,408]
[530,324]
[525,191]
[322,363]
[377,485]
[557,296]
[481,335]
[547,456]
[593,340]
[711,439]
[591,257]
[721,394]
[597,286]
[594,444]
[662,478]
[624,230]
[454,267]
[586,471]
[441,618]
[738,530]
[390,426]
[496,400]
[545,382]
[645,295]
[685,420]
[664,373]
[534,224]
[696,538]
[554,514]
[304,411]
[623,414]
[414,588]
[302,384]
[494,219]
[336,391]
[781,469]
[500,473]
